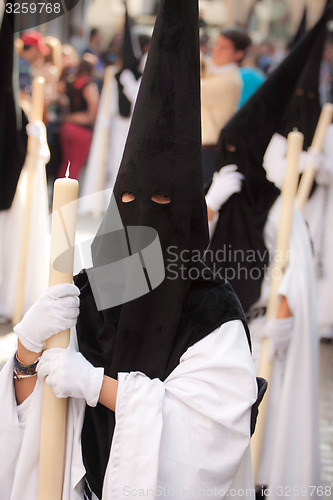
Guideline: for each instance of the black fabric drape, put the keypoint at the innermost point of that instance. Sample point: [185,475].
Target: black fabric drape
[13,139]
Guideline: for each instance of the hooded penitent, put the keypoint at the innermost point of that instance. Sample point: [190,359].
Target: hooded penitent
[162,157]
[131,54]
[238,245]
[13,139]
[304,109]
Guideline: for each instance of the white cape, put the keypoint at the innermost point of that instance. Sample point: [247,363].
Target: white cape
[190,433]
[318,213]
[290,455]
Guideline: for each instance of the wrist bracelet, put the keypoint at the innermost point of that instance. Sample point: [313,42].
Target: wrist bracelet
[24,371]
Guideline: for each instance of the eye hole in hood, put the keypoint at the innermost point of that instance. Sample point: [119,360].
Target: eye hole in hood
[127,197]
[161,199]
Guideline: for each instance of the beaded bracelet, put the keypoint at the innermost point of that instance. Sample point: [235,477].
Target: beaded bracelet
[24,371]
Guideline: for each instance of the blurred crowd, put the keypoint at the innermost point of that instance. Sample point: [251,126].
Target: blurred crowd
[74,81]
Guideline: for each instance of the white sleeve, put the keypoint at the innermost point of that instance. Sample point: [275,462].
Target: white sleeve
[190,431]
[20,441]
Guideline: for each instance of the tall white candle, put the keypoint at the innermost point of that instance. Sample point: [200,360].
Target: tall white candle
[53,427]
[308,176]
[31,163]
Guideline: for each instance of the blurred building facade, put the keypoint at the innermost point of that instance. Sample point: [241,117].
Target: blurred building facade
[264,18]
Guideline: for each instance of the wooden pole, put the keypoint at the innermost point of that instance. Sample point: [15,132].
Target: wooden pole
[107,94]
[295,145]
[37,107]
[308,176]
[53,426]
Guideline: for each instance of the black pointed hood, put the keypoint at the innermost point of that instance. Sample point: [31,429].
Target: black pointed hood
[304,109]
[162,157]
[162,152]
[300,31]
[243,141]
[130,54]
[13,139]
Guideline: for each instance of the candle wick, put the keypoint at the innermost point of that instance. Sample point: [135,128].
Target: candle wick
[67,171]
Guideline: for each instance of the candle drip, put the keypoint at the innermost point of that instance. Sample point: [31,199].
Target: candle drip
[67,170]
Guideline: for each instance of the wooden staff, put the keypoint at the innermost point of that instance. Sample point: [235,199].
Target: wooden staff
[308,176]
[107,94]
[36,113]
[295,145]
[53,426]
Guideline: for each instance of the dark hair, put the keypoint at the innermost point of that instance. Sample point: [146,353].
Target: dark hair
[86,65]
[238,37]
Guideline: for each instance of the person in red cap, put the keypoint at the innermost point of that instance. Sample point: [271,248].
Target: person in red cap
[33,47]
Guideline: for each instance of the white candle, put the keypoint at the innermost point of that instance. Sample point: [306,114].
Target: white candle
[53,426]
[31,163]
[63,228]
[325,119]
[308,176]
[37,99]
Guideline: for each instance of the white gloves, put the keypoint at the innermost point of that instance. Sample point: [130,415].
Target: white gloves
[320,163]
[130,84]
[54,311]
[71,375]
[314,158]
[37,129]
[225,183]
[279,331]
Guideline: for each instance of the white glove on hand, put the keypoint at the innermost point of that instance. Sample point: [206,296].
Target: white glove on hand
[315,158]
[279,331]
[130,84]
[225,183]
[37,129]
[324,174]
[70,375]
[54,311]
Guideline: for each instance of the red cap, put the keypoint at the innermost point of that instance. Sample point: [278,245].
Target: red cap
[36,39]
